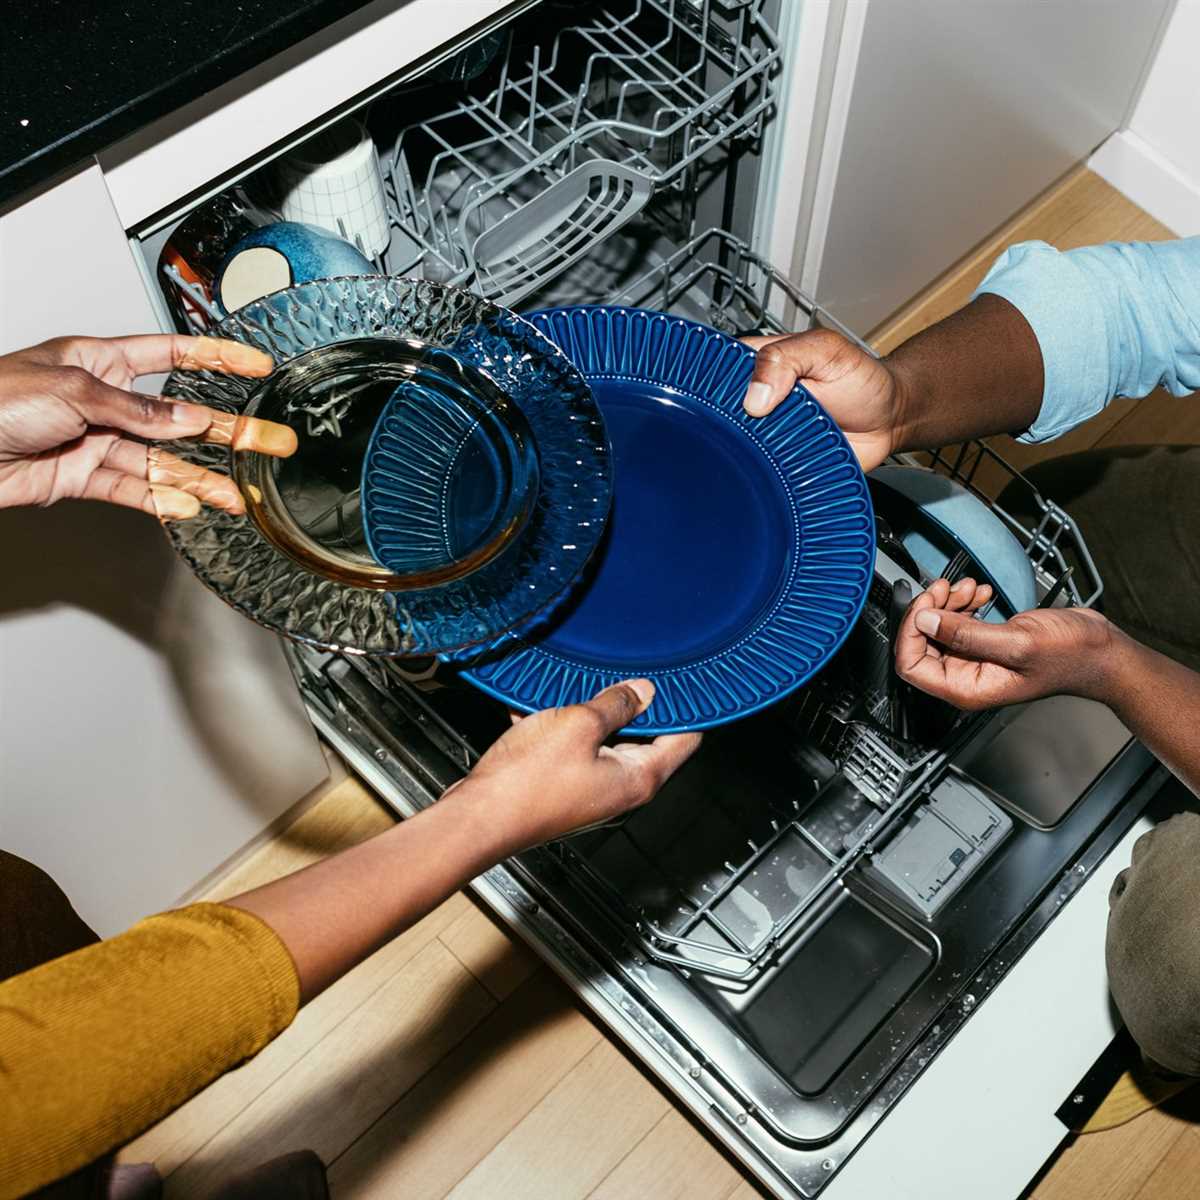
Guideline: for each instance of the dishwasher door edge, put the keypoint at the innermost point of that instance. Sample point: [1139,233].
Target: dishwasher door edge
[981,1119]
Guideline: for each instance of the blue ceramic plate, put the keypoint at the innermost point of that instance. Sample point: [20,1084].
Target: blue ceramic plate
[738,553]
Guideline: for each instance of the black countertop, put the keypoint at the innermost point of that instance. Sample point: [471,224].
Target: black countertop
[77,75]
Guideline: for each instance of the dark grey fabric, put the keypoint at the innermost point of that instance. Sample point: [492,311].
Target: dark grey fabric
[1153,944]
[296,1176]
[1139,510]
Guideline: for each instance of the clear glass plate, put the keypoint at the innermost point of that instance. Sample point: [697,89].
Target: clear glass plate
[520,511]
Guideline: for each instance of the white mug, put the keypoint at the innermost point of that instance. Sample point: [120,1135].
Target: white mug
[334,181]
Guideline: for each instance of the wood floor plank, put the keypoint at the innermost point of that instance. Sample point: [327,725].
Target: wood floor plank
[1176,1176]
[1110,217]
[748,1191]
[498,959]
[674,1161]
[1160,419]
[347,815]
[327,1099]
[175,1139]
[456,1115]
[1111,1165]
[571,1140]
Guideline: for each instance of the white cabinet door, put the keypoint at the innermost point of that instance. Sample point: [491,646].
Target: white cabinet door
[147,732]
[946,117]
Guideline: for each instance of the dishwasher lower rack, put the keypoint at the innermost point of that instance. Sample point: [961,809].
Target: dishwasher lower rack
[794,1067]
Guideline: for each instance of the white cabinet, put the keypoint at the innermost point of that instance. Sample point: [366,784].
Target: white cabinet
[945,118]
[147,731]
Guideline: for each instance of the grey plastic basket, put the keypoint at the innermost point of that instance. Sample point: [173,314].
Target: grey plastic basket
[558,227]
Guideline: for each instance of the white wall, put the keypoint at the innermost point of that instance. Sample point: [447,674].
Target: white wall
[1156,160]
[147,731]
[954,114]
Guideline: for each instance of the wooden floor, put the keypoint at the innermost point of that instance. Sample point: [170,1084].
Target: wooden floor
[452,1064]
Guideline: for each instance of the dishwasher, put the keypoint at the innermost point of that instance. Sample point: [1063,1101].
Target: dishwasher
[791,932]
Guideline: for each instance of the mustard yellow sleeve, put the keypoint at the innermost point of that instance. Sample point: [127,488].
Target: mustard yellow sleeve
[97,1045]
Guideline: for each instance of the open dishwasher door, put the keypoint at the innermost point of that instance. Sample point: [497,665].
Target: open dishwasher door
[788,999]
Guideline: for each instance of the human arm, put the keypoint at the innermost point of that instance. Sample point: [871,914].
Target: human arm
[549,774]
[99,1044]
[974,664]
[71,427]
[975,373]
[1047,341]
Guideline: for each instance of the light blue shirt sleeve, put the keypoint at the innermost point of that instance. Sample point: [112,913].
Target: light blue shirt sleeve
[1113,320]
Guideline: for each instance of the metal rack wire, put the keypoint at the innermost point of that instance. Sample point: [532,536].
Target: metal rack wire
[562,140]
[507,188]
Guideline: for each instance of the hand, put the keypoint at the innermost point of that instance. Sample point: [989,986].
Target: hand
[70,426]
[860,393]
[943,650]
[552,772]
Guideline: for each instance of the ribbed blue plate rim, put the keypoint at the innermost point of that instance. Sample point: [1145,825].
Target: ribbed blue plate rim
[705,694]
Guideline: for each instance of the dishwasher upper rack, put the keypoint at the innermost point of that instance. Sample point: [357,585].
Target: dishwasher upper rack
[506,188]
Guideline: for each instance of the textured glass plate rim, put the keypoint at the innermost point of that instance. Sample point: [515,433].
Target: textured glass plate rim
[666,680]
[401,642]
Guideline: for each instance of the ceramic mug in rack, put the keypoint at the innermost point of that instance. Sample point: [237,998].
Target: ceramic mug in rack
[333,180]
[283,254]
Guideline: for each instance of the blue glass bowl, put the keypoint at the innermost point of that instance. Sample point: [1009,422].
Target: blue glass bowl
[450,476]
[360,356]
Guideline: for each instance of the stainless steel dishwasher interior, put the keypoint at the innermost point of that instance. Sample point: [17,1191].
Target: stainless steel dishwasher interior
[799,1057]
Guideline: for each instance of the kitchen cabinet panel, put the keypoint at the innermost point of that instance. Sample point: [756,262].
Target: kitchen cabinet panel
[147,731]
[67,266]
